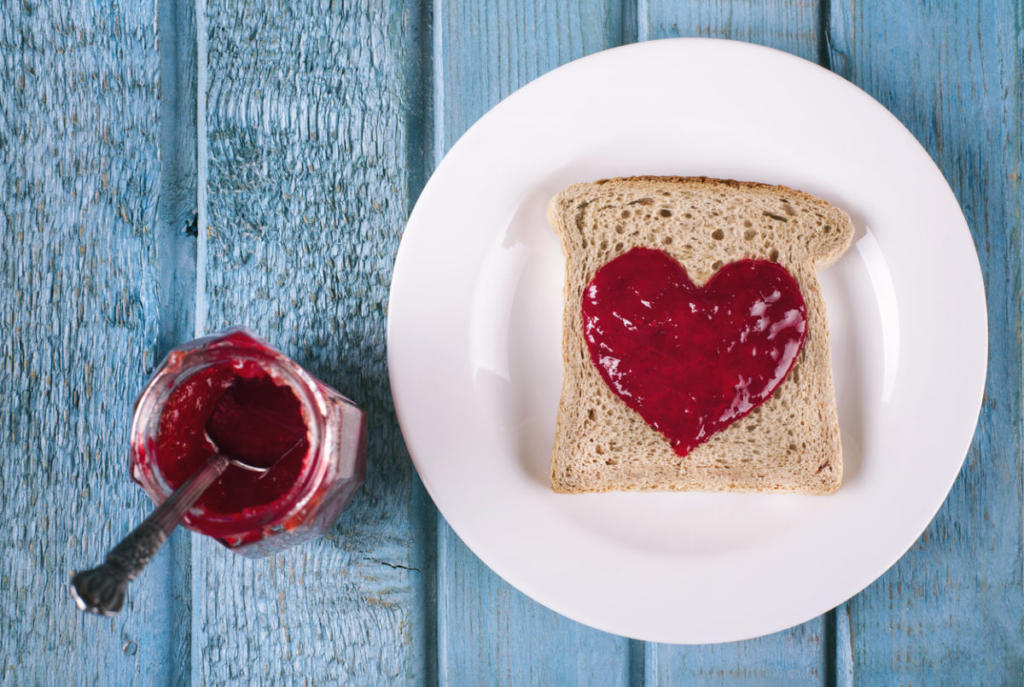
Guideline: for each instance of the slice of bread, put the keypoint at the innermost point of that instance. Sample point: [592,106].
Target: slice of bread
[788,444]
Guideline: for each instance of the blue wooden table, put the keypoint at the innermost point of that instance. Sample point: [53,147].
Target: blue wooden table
[170,168]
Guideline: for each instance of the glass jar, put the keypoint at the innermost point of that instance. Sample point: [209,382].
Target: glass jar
[252,514]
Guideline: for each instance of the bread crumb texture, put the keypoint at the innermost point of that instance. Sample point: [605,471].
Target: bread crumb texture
[788,444]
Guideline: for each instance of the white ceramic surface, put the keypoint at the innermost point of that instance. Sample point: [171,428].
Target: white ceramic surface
[474,332]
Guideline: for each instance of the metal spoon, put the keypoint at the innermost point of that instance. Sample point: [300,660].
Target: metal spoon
[102,589]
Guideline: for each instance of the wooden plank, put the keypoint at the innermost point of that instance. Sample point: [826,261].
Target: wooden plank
[306,121]
[952,610]
[79,311]
[176,229]
[176,264]
[489,633]
[791,657]
[790,25]
[803,654]
[486,50]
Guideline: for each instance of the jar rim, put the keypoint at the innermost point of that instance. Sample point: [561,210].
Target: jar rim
[184,362]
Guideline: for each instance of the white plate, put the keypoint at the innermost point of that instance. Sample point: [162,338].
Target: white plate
[474,330]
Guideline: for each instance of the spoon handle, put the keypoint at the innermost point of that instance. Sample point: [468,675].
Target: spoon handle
[102,589]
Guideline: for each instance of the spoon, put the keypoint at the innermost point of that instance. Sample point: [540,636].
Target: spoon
[102,589]
[239,427]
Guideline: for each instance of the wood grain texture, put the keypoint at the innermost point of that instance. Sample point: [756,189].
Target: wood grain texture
[801,655]
[176,233]
[176,266]
[485,50]
[307,113]
[951,611]
[489,633]
[790,25]
[79,312]
[792,657]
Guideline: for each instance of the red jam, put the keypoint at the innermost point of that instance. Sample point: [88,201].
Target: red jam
[692,360]
[249,417]
[234,393]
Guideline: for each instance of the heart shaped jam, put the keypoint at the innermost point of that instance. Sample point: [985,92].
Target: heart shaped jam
[692,360]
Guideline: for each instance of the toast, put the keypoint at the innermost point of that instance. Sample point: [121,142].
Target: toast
[791,442]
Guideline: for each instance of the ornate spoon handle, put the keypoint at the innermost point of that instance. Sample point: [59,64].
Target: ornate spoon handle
[102,589]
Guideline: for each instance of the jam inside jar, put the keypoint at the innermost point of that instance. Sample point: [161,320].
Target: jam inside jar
[233,393]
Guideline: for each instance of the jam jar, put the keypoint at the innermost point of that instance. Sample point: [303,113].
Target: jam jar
[313,438]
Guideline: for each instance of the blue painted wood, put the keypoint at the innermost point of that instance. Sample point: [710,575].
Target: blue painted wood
[176,232]
[790,25]
[176,267]
[485,50]
[307,115]
[792,657]
[489,633]
[320,129]
[802,655]
[80,316]
[951,611]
